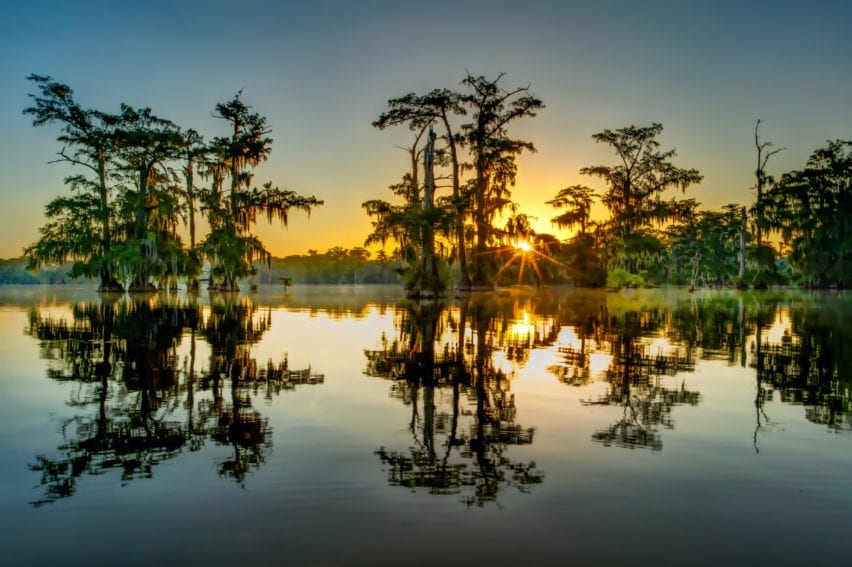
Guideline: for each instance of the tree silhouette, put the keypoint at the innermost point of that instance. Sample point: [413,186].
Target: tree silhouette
[420,113]
[121,221]
[230,246]
[762,181]
[811,209]
[634,189]
[493,154]
[80,228]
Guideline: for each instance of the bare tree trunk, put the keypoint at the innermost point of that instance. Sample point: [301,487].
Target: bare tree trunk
[193,283]
[696,258]
[429,277]
[761,180]
[741,255]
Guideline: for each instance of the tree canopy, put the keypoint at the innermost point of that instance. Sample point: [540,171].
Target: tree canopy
[141,184]
[122,222]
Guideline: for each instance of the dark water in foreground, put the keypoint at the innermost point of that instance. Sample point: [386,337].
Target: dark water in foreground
[344,426]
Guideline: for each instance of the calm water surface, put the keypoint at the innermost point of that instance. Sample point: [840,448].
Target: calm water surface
[345,426]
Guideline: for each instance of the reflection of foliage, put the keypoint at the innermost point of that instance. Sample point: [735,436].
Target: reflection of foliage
[124,358]
[796,345]
[231,328]
[638,346]
[635,382]
[120,356]
[647,404]
[809,364]
[463,415]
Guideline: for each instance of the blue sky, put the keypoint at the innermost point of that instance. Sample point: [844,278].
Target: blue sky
[321,72]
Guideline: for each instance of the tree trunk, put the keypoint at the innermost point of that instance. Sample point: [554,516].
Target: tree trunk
[430,281]
[108,281]
[742,255]
[696,258]
[192,283]
[480,269]
[462,246]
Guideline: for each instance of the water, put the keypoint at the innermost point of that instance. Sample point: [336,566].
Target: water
[345,426]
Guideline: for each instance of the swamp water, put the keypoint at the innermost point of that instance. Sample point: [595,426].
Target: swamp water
[346,426]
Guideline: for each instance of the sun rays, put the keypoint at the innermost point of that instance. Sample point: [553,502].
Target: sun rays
[524,253]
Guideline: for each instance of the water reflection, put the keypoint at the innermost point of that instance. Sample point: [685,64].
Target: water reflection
[645,350]
[503,401]
[643,347]
[797,346]
[800,352]
[443,366]
[641,353]
[141,397]
[152,379]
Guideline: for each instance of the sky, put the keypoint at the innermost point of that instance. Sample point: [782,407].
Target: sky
[322,71]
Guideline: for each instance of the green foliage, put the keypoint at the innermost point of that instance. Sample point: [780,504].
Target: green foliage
[409,226]
[619,278]
[122,220]
[583,257]
[79,229]
[634,189]
[761,271]
[70,235]
[422,112]
[335,266]
[133,189]
[704,247]
[812,209]
[230,247]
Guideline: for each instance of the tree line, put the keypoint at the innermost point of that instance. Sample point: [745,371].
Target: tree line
[337,265]
[140,179]
[451,220]
[795,231]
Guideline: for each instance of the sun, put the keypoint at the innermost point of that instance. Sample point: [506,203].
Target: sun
[524,253]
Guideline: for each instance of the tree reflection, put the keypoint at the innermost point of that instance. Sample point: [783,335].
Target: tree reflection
[234,377]
[641,357]
[633,349]
[803,354]
[795,345]
[462,411]
[137,404]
